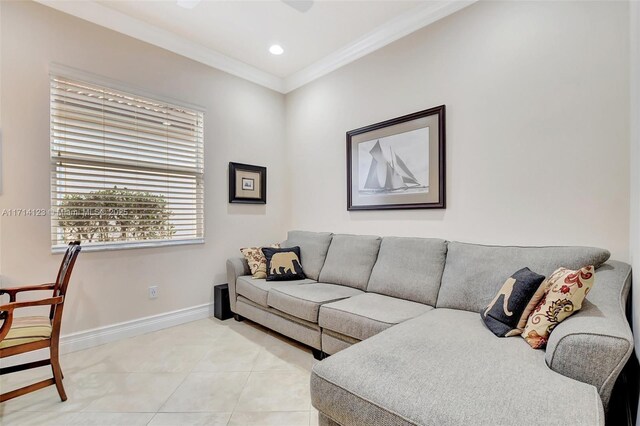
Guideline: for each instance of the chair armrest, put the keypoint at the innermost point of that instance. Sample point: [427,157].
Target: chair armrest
[6,311]
[236,267]
[594,344]
[10,307]
[13,291]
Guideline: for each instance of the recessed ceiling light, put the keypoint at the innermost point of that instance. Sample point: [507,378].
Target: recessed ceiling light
[276,49]
[299,5]
[188,4]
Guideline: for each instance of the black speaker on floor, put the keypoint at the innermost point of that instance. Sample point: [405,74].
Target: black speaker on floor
[221,306]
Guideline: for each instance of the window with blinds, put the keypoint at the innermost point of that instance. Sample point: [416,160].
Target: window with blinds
[125,170]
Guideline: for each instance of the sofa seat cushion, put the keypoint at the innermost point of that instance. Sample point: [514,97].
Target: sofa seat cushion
[446,368]
[257,290]
[304,301]
[362,316]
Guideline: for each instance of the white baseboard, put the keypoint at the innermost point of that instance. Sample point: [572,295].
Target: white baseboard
[110,333]
[123,330]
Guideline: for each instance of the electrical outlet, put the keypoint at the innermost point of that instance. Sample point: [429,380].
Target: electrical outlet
[153,292]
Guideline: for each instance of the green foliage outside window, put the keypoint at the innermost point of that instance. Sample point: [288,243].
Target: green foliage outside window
[112,215]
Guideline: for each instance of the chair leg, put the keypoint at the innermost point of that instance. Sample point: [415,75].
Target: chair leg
[57,374]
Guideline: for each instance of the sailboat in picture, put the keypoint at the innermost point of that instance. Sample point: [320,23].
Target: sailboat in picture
[389,175]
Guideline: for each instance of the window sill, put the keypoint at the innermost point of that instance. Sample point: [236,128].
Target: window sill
[130,245]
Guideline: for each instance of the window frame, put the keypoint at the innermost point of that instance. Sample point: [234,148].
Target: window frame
[62,71]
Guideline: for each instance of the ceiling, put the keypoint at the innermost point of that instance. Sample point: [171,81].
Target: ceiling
[245,30]
[235,36]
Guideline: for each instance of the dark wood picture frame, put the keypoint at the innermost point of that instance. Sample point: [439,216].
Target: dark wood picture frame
[234,181]
[438,111]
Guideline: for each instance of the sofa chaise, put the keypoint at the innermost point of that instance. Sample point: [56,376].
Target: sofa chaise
[400,318]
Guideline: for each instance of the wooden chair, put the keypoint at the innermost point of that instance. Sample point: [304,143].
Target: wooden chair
[25,334]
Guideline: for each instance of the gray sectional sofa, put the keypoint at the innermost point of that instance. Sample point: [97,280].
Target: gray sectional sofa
[400,318]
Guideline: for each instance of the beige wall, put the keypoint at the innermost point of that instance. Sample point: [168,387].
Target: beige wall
[243,122]
[537,134]
[537,126]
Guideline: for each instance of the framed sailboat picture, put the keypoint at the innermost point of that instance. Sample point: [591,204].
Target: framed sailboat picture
[398,163]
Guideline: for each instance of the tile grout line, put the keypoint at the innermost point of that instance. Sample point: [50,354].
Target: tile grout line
[245,384]
[177,387]
[239,396]
[264,348]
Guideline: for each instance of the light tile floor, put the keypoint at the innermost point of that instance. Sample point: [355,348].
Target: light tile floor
[206,372]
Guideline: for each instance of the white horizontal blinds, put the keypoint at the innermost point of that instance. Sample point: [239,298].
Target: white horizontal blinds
[125,169]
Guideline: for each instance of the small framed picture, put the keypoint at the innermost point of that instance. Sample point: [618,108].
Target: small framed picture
[247,184]
[398,163]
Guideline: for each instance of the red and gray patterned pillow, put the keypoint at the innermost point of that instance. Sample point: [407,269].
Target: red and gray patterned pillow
[566,290]
[256,260]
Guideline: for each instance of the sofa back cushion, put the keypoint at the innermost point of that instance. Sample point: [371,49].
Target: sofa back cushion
[474,273]
[409,268]
[313,250]
[350,260]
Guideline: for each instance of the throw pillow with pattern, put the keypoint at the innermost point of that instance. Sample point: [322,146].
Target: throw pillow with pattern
[507,313]
[283,264]
[256,260]
[566,291]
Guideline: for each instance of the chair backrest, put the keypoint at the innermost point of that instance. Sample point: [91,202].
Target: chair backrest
[64,275]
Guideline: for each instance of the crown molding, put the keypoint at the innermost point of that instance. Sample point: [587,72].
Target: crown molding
[118,21]
[401,26]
